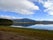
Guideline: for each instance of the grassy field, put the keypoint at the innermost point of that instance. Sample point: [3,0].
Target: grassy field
[44,34]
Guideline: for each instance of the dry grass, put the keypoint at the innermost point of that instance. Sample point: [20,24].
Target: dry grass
[44,34]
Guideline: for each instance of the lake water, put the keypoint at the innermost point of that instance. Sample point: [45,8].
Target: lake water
[44,27]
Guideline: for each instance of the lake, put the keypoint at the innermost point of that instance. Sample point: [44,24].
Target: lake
[44,27]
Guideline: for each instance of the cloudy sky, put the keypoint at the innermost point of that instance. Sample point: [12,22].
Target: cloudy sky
[33,9]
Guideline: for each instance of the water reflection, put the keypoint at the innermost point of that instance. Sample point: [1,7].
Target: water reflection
[44,27]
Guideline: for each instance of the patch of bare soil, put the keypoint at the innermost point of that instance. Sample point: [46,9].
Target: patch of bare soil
[13,36]
[16,36]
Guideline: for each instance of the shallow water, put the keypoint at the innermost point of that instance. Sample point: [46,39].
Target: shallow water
[44,27]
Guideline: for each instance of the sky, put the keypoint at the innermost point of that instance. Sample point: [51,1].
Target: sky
[32,9]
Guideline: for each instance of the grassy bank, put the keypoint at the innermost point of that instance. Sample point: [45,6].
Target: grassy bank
[29,32]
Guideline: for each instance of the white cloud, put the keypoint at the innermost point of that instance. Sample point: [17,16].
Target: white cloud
[49,7]
[18,6]
[48,4]
[7,17]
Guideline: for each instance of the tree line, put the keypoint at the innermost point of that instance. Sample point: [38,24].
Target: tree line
[5,22]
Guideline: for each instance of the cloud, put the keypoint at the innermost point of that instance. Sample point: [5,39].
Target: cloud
[18,6]
[10,17]
[49,7]
[48,4]
[7,17]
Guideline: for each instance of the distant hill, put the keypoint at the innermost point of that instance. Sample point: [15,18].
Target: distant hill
[23,22]
[29,22]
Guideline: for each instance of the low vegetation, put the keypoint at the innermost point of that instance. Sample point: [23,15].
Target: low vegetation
[43,34]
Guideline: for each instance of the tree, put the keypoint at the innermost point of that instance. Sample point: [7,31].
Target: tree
[5,22]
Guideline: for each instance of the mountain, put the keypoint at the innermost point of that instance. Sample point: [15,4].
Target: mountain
[29,22]
[23,22]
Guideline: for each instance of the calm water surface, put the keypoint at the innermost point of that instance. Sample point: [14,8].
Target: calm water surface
[44,27]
